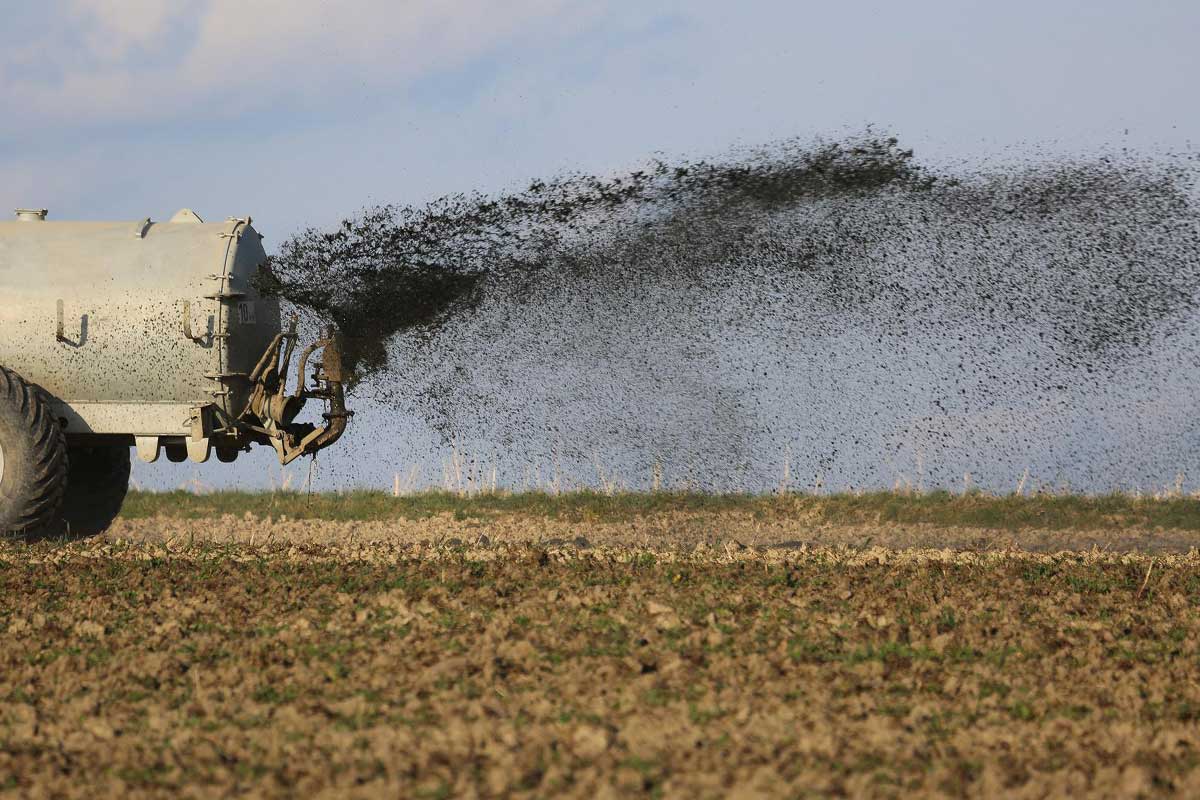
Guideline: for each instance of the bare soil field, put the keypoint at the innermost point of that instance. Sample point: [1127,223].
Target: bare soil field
[676,654]
[675,530]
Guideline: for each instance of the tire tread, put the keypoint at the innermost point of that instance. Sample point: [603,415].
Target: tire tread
[48,466]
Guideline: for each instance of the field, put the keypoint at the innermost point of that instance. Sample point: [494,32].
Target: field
[584,645]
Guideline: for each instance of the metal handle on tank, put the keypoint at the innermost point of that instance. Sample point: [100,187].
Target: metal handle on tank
[187,324]
[60,328]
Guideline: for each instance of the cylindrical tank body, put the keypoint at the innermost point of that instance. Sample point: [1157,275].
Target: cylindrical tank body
[132,326]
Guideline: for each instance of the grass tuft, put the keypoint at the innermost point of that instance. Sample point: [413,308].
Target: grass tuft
[974,509]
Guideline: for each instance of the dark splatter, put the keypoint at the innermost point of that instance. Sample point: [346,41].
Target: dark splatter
[408,269]
[823,300]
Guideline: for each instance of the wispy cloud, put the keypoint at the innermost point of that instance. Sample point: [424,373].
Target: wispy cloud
[89,62]
[113,32]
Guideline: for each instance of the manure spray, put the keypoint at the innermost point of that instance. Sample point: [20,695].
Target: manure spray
[880,320]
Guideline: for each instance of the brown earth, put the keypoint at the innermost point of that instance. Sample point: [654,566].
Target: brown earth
[439,659]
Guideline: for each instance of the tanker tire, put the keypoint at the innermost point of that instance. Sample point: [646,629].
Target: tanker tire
[34,458]
[96,488]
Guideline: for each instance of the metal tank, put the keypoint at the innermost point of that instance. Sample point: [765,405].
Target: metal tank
[144,334]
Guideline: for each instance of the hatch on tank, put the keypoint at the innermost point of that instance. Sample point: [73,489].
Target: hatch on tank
[186,216]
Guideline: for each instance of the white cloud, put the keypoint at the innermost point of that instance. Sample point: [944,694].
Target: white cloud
[140,60]
[111,30]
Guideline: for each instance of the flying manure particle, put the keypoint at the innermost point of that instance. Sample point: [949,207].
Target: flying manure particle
[409,269]
[837,298]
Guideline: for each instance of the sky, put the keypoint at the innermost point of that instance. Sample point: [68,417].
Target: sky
[301,112]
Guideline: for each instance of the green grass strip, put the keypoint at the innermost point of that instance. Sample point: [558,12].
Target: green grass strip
[977,510]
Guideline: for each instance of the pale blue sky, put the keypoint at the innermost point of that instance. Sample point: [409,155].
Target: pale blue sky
[298,112]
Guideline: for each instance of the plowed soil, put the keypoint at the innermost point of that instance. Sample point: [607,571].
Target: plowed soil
[538,658]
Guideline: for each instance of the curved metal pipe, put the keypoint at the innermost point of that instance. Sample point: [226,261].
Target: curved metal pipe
[337,417]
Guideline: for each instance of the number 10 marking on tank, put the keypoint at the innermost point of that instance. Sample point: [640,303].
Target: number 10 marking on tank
[246,313]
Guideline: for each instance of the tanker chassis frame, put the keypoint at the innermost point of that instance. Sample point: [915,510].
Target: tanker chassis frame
[268,417]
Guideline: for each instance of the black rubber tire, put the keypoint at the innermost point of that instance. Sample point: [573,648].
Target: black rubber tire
[35,459]
[96,488]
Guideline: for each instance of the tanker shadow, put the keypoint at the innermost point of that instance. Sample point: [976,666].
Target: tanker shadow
[56,534]
[209,337]
[95,488]
[64,530]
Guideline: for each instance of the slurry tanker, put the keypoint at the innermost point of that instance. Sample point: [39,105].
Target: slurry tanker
[148,336]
